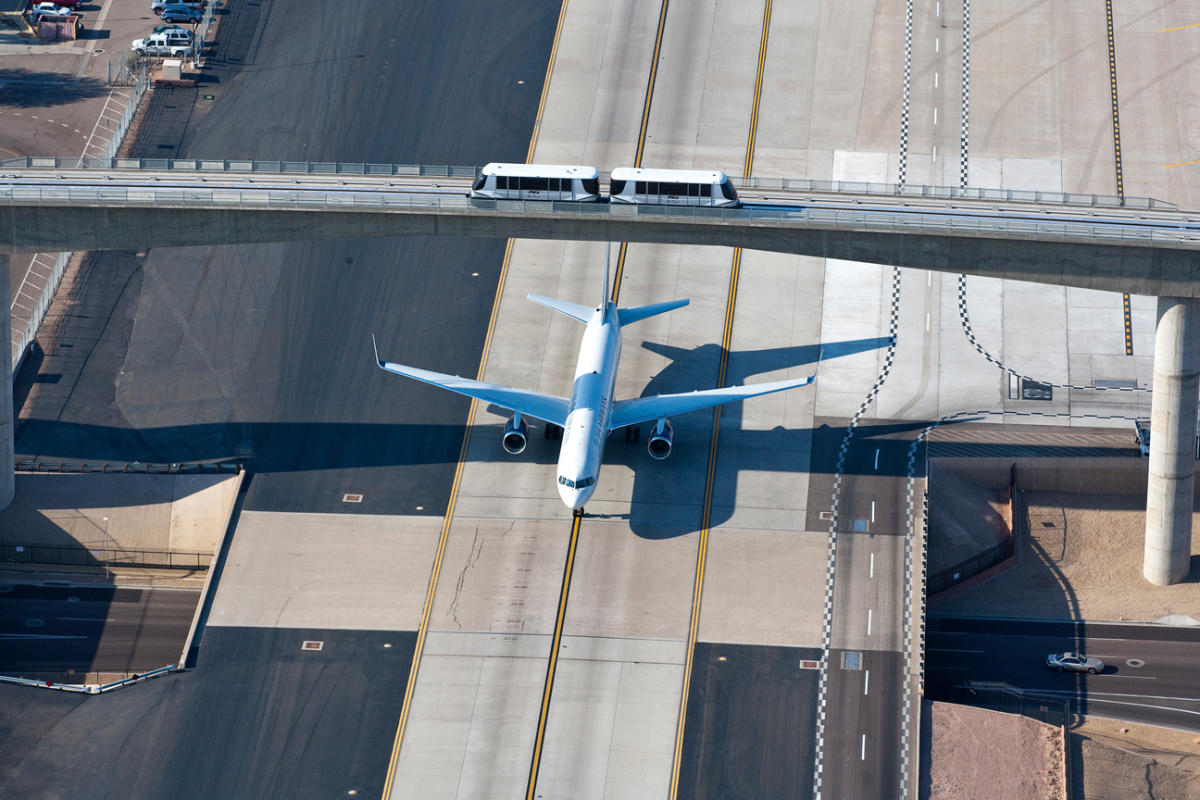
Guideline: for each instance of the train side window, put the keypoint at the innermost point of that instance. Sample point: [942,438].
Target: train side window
[706,190]
[675,189]
[640,187]
[535,184]
[501,181]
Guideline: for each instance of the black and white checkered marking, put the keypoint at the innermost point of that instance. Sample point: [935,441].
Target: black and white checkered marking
[903,171]
[827,632]
[965,319]
[966,95]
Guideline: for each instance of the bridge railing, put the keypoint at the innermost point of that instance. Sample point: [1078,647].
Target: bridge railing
[203,165]
[324,197]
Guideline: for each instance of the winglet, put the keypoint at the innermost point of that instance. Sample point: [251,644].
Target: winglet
[375,345]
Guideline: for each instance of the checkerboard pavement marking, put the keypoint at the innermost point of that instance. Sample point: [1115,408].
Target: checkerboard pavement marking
[827,633]
[965,319]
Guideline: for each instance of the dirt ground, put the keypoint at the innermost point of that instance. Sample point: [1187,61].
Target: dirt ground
[1081,560]
[975,754]
[1114,760]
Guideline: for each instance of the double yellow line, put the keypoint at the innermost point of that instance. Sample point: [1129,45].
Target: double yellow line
[565,589]
[431,590]
[710,478]
[641,143]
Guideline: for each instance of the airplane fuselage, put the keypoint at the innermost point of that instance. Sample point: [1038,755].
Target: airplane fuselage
[586,429]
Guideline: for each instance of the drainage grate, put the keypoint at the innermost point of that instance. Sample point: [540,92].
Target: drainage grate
[308,644]
[352,498]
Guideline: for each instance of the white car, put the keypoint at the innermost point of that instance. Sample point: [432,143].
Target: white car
[1076,662]
[40,10]
[173,42]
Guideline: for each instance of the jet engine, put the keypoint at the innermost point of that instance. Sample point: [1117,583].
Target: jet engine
[515,435]
[660,440]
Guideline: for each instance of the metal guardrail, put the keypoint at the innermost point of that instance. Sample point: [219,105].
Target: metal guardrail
[952,576]
[179,468]
[23,339]
[1010,700]
[88,688]
[451,171]
[853,219]
[84,556]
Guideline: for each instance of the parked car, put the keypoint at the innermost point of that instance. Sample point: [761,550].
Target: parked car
[40,10]
[1076,662]
[157,5]
[173,42]
[180,13]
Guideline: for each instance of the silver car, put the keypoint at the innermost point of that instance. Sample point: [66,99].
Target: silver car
[1076,662]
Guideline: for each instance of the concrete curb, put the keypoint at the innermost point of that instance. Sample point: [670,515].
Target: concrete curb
[208,579]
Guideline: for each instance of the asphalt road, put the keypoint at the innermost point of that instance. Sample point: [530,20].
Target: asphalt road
[751,722]
[52,629]
[1149,675]
[260,718]
[263,354]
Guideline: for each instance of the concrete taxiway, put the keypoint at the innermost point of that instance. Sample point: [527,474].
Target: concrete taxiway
[687,640]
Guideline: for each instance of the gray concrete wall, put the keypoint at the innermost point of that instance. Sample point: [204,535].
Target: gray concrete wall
[1124,476]
[1119,267]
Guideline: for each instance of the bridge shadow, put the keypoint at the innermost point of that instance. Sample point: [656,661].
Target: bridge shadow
[31,88]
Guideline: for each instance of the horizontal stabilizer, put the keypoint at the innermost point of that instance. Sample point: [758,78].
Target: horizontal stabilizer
[627,316]
[644,409]
[573,310]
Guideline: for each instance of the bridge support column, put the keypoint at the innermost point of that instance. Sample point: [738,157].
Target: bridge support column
[7,457]
[1169,490]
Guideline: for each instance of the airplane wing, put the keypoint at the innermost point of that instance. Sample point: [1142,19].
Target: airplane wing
[545,407]
[644,409]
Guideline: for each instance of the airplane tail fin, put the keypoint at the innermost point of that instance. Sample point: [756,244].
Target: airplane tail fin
[604,297]
[626,316]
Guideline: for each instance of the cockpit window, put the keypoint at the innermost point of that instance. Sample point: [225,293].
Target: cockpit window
[582,483]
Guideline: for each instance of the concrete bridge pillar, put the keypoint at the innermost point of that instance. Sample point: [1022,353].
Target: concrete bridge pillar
[1169,490]
[8,462]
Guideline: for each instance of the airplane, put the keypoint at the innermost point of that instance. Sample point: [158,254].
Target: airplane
[591,414]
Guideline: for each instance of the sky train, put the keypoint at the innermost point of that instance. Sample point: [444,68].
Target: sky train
[581,184]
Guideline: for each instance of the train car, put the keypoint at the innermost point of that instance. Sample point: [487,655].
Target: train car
[672,187]
[537,182]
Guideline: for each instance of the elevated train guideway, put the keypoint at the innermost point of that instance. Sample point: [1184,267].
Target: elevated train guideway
[1118,245]
[1141,247]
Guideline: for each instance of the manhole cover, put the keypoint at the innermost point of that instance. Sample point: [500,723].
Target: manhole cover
[98,51]
[34,622]
[1134,662]
[210,97]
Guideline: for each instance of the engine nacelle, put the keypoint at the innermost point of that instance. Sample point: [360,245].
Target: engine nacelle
[515,435]
[659,445]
